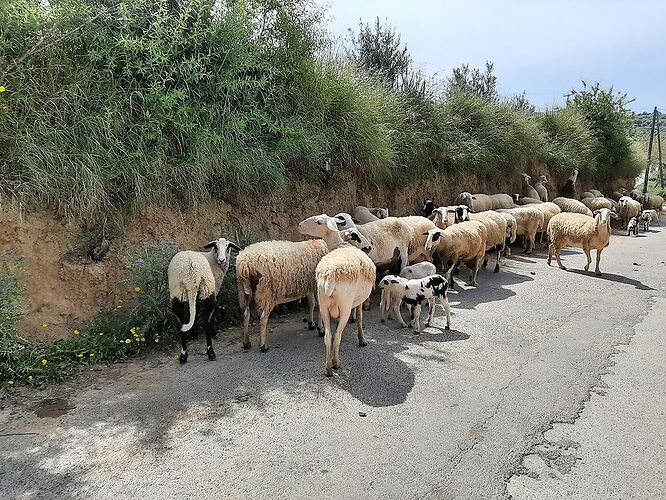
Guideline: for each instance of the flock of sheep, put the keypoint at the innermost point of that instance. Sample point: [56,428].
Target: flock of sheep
[351,254]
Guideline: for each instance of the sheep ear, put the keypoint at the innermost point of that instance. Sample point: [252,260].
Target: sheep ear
[210,244]
[436,235]
[355,237]
[234,246]
[332,225]
[613,215]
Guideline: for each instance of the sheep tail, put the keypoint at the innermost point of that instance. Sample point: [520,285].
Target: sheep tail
[192,303]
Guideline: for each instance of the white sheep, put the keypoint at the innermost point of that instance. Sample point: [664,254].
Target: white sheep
[511,230]
[632,226]
[540,187]
[496,227]
[477,202]
[627,208]
[571,205]
[502,201]
[465,241]
[345,278]
[270,273]
[529,221]
[418,270]
[580,231]
[363,215]
[650,201]
[597,193]
[648,216]
[419,226]
[521,200]
[596,203]
[527,189]
[549,209]
[196,277]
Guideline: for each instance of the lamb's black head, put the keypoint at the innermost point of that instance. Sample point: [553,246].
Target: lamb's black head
[428,207]
[438,283]
[462,213]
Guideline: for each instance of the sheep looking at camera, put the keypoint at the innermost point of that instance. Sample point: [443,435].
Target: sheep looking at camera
[626,209]
[580,231]
[632,226]
[195,279]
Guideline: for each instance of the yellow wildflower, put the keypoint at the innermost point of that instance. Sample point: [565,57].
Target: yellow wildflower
[119,306]
[133,330]
[157,341]
[122,341]
[91,355]
[44,362]
[2,89]
[80,355]
[10,382]
[8,316]
[128,341]
[137,289]
[29,377]
[45,325]
[76,332]
[143,339]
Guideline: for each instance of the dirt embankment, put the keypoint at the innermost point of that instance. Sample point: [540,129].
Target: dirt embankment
[64,289]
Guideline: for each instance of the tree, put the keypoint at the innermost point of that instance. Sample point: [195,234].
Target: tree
[474,81]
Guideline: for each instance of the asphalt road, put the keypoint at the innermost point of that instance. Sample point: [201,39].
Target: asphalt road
[457,414]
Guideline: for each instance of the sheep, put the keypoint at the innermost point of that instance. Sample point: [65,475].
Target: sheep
[511,228]
[540,187]
[571,205]
[527,189]
[441,217]
[345,277]
[521,200]
[529,221]
[596,203]
[616,195]
[415,271]
[587,194]
[501,201]
[428,207]
[580,231]
[196,277]
[627,208]
[465,241]
[363,215]
[613,204]
[496,227]
[477,202]
[275,272]
[632,226]
[384,235]
[419,225]
[431,288]
[569,188]
[648,216]
[549,209]
[651,202]
[635,194]
[596,193]
[393,290]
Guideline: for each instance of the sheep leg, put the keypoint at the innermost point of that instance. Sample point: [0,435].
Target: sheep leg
[447,308]
[246,327]
[352,318]
[589,258]
[498,256]
[559,261]
[366,305]
[263,330]
[475,270]
[183,351]
[345,311]
[551,248]
[597,271]
[398,314]
[207,309]
[359,327]
[416,311]
[431,312]
[384,304]
[328,365]
[311,308]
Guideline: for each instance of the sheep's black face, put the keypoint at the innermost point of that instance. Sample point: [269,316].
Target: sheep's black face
[429,207]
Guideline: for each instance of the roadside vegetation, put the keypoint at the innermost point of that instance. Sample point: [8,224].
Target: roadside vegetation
[108,107]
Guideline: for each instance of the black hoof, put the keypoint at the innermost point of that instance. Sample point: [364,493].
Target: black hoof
[211,354]
[362,344]
[383,320]
[352,320]
[247,345]
[183,358]
[496,269]
[447,327]
[263,348]
[311,326]
[321,334]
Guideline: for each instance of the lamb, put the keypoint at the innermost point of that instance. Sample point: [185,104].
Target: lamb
[419,225]
[465,241]
[648,216]
[195,279]
[431,288]
[415,271]
[627,208]
[529,221]
[501,201]
[569,188]
[419,270]
[580,231]
[477,202]
[496,227]
[596,203]
[393,290]
[632,226]
[527,189]
[270,273]
[363,215]
[571,205]
[540,187]
[345,277]
[385,236]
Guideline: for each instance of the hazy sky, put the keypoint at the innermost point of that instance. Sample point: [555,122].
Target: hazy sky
[544,47]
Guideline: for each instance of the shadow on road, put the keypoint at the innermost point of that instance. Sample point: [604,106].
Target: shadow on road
[491,289]
[617,278]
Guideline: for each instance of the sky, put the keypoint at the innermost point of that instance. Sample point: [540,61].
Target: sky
[542,47]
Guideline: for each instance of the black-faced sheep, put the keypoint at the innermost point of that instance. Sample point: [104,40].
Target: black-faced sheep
[428,207]
[580,231]
[194,282]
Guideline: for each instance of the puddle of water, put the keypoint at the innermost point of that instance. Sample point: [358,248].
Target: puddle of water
[51,408]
